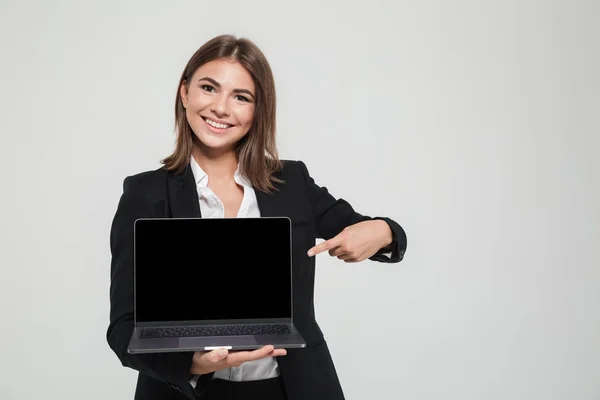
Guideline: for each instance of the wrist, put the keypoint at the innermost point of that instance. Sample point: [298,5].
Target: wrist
[387,236]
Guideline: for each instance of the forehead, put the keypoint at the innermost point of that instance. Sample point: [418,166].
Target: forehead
[229,73]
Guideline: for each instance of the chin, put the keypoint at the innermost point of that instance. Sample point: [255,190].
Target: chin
[215,143]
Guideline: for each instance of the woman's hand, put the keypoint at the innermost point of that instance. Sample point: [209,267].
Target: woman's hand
[357,242]
[205,362]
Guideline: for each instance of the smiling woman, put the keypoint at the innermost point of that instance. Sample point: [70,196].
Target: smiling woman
[225,165]
[226,100]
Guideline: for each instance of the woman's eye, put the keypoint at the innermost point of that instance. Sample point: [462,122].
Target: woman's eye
[207,88]
[242,98]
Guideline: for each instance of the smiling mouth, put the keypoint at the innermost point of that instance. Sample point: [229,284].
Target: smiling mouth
[216,125]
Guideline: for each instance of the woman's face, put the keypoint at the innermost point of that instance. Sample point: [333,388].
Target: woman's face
[219,103]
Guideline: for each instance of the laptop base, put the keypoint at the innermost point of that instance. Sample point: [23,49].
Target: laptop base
[138,345]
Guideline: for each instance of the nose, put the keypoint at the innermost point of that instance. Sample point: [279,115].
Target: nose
[220,106]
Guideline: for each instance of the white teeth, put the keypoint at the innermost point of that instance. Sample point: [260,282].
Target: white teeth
[216,124]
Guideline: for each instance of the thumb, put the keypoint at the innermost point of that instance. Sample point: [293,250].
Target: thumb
[217,355]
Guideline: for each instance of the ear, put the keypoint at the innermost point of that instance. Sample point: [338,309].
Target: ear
[183,92]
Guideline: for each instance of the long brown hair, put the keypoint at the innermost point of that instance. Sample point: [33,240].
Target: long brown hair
[257,151]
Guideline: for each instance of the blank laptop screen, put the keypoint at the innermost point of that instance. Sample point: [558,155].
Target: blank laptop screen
[212,269]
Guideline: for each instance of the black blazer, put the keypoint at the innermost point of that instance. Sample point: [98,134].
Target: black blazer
[307,373]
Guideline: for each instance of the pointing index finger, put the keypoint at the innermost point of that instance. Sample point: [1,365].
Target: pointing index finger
[326,245]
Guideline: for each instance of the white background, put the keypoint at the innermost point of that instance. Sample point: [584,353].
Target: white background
[474,124]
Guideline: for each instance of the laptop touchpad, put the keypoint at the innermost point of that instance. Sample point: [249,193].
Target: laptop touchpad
[217,341]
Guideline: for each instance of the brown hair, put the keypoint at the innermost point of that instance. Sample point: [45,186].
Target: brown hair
[257,150]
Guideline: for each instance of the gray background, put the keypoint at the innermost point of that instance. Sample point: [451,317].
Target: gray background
[472,123]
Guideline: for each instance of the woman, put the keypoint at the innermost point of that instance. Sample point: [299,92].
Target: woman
[225,164]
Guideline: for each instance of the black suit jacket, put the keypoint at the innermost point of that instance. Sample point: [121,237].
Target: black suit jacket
[307,373]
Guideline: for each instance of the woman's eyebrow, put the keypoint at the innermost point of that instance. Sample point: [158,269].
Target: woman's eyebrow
[218,85]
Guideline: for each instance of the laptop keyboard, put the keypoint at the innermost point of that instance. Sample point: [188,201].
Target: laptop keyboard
[220,330]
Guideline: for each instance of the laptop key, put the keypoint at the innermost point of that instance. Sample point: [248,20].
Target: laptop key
[220,330]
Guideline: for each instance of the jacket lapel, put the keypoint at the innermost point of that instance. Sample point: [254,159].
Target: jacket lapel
[183,195]
[268,205]
[272,204]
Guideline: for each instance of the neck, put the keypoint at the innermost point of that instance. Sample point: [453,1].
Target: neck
[218,166]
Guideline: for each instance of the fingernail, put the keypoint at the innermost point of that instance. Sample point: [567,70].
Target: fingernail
[310,253]
[223,352]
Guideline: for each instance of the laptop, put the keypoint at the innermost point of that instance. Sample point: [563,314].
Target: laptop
[207,283]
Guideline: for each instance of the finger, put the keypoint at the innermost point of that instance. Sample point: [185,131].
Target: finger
[244,356]
[326,245]
[279,352]
[337,251]
[255,355]
[345,256]
[215,355]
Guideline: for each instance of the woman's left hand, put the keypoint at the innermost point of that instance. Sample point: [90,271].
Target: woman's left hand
[357,242]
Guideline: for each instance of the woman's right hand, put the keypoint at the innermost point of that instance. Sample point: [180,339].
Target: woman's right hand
[205,362]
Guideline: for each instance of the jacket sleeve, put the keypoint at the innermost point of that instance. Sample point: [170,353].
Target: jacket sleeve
[333,215]
[171,368]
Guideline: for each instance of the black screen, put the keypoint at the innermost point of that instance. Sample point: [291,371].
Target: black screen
[205,269]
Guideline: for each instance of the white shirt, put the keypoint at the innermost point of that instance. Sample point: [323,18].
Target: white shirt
[212,207]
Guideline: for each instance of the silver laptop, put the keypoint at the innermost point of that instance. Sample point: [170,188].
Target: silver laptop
[206,283]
